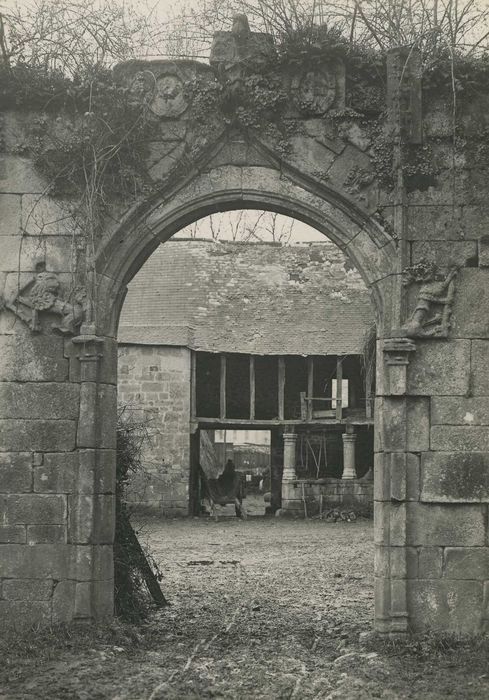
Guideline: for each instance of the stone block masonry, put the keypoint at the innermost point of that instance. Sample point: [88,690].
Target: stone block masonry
[154,387]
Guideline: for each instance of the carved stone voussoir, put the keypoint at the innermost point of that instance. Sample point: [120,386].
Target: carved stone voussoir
[434,300]
[42,295]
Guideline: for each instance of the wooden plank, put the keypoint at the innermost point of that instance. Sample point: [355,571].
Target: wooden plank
[222,387]
[252,387]
[281,387]
[310,385]
[193,385]
[239,423]
[339,387]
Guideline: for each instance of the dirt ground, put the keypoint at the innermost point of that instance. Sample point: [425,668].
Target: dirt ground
[267,608]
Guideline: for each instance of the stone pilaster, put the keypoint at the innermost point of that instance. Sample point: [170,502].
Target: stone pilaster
[404,93]
[91,514]
[391,535]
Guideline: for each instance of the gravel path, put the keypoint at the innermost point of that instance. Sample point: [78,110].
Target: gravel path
[264,609]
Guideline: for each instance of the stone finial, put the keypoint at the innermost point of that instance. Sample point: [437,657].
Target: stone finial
[230,49]
[241,25]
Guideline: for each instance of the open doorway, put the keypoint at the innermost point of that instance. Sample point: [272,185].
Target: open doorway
[249,451]
[249,322]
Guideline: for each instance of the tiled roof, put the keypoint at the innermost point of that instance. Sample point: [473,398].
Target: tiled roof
[250,298]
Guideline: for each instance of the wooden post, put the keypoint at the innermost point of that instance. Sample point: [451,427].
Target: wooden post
[224,449]
[310,386]
[194,477]
[193,385]
[222,395]
[281,387]
[252,387]
[339,387]
[368,392]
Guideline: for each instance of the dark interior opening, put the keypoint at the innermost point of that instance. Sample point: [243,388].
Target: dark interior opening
[266,387]
[237,386]
[208,373]
[295,383]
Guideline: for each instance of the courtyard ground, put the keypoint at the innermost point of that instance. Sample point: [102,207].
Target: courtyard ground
[266,608]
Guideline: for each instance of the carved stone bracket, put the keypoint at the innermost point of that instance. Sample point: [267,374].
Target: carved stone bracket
[397,353]
[42,295]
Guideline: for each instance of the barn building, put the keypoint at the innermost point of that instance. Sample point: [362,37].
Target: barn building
[220,338]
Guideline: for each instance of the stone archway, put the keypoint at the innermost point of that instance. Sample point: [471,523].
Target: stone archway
[59,379]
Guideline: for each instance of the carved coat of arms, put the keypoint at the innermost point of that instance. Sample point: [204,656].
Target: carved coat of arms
[319,89]
[160,84]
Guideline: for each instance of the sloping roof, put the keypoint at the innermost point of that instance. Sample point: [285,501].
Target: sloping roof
[250,298]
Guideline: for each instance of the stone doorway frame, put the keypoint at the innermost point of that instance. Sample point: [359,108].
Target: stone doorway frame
[232,187]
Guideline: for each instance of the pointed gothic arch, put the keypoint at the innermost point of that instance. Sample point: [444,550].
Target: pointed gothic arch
[226,187]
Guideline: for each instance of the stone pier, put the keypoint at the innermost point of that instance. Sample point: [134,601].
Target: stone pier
[349,441]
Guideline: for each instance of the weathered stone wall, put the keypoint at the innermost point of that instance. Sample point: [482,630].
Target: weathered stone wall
[57,431]
[154,387]
[323,495]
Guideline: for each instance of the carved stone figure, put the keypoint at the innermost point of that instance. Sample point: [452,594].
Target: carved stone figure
[434,301]
[42,293]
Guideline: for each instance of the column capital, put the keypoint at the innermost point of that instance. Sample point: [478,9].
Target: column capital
[397,352]
[89,355]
